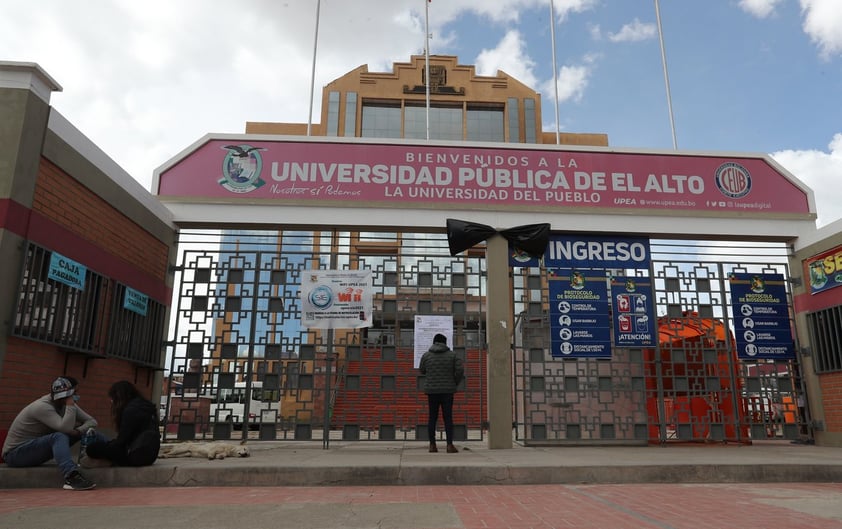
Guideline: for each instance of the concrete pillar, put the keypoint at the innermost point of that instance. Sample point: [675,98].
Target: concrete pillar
[25,91]
[499,321]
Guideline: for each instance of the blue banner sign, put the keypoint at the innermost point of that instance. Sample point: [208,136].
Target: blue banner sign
[579,323]
[634,324]
[67,271]
[591,251]
[761,317]
[135,301]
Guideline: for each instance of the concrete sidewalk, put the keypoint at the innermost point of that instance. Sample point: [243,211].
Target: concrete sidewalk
[297,463]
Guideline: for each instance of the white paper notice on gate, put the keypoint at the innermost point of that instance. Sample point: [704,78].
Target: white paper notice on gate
[426,327]
[336,299]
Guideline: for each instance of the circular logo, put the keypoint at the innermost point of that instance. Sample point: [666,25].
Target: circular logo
[241,168]
[733,180]
[520,255]
[321,297]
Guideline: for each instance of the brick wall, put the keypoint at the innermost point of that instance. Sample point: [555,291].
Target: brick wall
[30,367]
[831,385]
[406,405]
[71,205]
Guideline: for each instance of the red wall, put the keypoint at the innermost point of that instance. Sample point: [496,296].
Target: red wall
[68,218]
[406,404]
[830,383]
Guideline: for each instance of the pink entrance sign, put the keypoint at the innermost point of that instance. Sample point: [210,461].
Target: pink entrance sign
[402,174]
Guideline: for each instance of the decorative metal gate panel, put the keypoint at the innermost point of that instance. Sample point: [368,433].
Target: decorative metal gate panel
[689,388]
[240,365]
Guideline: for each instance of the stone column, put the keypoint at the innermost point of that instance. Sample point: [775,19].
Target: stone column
[499,321]
[25,91]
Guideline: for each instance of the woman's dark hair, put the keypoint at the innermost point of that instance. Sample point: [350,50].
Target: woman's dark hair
[121,393]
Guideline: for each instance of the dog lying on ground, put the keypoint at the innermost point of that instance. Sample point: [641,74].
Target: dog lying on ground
[208,450]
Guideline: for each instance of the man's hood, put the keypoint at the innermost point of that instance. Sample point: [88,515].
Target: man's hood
[439,348]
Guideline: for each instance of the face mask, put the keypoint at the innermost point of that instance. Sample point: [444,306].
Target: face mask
[75,398]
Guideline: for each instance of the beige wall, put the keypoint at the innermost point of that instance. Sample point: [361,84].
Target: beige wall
[406,83]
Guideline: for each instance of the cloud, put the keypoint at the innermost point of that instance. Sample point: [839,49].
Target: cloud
[759,8]
[572,82]
[152,78]
[510,56]
[563,8]
[822,23]
[634,32]
[820,171]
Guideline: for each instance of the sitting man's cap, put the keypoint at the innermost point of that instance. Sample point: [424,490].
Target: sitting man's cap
[440,338]
[62,388]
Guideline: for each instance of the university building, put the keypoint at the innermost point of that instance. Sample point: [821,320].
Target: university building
[463,107]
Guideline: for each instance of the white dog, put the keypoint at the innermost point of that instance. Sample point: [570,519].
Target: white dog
[208,450]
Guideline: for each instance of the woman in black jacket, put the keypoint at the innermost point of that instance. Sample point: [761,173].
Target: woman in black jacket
[136,419]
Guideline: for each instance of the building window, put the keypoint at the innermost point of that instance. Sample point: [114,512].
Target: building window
[825,328]
[381,120]
[485,123]
[529,120]
[445,122]
[350,114]
[53,312]
[96,319]
[136,336]
[514,120]
[332,114]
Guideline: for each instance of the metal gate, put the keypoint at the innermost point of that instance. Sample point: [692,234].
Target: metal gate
[239,364]
[690,388]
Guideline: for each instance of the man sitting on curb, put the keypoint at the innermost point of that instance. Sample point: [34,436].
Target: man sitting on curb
[45,429]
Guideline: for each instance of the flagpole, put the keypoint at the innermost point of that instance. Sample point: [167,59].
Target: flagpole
[555,74]
[427,58]
[666,75]
[313,71]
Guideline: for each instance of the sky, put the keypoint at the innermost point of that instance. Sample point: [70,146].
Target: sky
[145,80]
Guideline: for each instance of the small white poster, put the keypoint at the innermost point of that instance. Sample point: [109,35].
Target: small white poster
[425,328]
[336,299]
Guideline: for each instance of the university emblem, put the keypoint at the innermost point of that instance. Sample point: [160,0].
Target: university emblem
[733,180]
[241,168]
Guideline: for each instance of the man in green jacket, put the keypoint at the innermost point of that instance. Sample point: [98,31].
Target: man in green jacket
[442,371]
